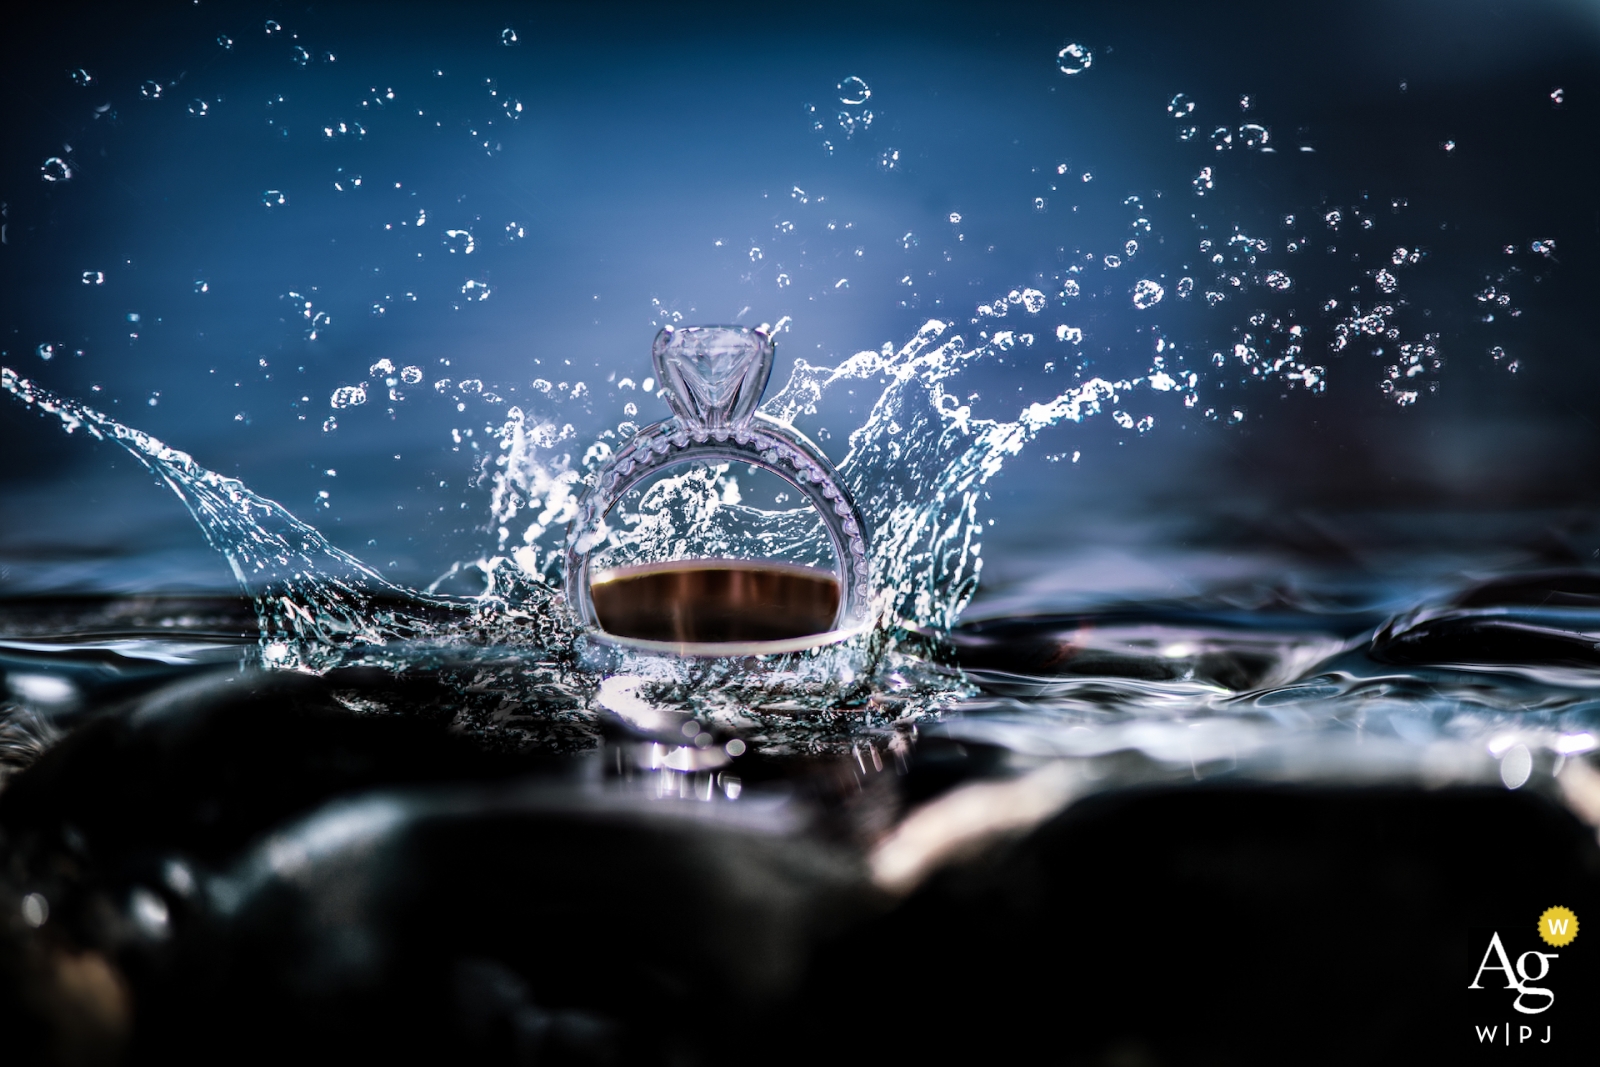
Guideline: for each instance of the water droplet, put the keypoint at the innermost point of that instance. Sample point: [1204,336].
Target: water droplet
[199,108]
[890,159]
[1088,177]
[853,91]
[56,169]
[1221,138]
[1185,287]
[1180,106]
[202,286]
[1278,280]
[1386,282]
[299,56]
[1033,301]
[1040,204]
[1558,97]
[783,281]
[1147,294]
[755,254]
[513,109]
[459,241]
[508,37]
[1070,288]
[274,198]
[411,375]
[272,27]
[1131,248]
[151,90]
[472,386]
[80,77]
[1448,146]
[1113,262]
[348,396]
[1246,103]
[1333,218]
[1203,181]
[1252,135]
[48,352]
[1074,59]
[330,424]
[1069,334]
[515,231]
[94,277]
[475,290]
[1188,133]
[381,368]
[1544,248]
[955,217]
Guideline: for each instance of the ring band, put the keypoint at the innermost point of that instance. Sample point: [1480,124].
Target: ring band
[712,378]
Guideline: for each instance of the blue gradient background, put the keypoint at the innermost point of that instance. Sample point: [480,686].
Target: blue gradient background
[650,133]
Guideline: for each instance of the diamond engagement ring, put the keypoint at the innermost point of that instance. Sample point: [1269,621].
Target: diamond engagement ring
[712,378]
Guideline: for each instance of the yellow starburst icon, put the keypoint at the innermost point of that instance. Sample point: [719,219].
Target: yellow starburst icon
[1558,926]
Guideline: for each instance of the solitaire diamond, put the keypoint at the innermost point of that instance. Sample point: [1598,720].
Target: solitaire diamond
[712,376]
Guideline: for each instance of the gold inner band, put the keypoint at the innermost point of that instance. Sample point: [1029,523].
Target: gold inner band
[715,600]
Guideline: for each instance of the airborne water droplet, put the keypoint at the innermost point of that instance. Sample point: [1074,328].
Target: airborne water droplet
[853,91]
[1074,59]
[1147,294]
[348,396]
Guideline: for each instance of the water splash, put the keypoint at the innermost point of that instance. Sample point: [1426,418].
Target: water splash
[317,606]
[917,466]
